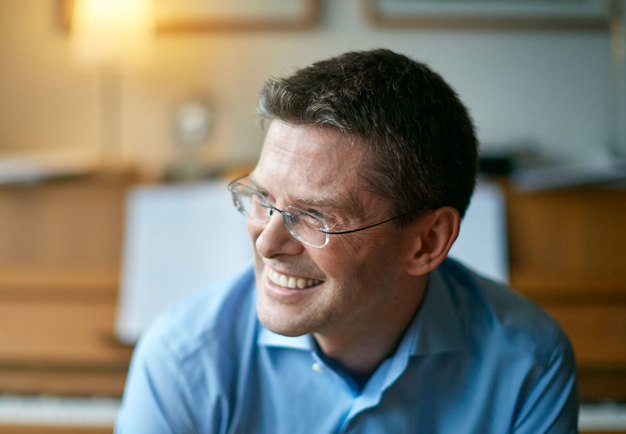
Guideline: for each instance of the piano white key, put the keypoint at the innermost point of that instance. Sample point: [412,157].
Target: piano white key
[50,410]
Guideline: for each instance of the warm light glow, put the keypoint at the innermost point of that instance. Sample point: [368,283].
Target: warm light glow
[117,32]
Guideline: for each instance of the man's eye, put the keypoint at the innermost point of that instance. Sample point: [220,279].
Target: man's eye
[316,213]
[331,220]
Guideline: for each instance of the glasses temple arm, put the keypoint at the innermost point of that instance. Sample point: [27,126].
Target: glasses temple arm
[370,226]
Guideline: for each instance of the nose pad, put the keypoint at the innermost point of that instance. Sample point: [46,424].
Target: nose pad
[275,239]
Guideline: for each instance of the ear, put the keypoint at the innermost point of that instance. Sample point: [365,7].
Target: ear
[430,240]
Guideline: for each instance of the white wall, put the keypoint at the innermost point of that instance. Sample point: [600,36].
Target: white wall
[551,88]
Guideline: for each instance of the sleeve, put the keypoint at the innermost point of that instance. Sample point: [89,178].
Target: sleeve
[156,398]
[551,405]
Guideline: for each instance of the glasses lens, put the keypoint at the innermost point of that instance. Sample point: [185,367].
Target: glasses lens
[306,227]
[249,202]
[303,225]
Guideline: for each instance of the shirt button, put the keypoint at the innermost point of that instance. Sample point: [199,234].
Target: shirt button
[317,367]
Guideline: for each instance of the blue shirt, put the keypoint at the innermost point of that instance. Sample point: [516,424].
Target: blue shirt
[476,358]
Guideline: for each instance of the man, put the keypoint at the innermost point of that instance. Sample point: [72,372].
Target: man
[353,320]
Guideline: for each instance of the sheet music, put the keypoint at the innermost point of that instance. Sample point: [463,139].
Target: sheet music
[482,243]
[179,238]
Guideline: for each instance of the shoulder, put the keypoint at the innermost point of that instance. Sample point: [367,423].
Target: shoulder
[212,317]
[512,350]
[492,310]
[184,364]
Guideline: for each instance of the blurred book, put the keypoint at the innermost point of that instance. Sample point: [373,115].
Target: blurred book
[601,171]
[43,165]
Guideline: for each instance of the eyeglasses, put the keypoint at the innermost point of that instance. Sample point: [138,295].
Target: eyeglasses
[305,226]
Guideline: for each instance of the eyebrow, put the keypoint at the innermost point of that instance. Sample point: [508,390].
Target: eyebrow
[319,201]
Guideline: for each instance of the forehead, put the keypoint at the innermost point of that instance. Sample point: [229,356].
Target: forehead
[309,160]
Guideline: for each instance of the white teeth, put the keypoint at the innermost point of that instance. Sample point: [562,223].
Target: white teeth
[290,282]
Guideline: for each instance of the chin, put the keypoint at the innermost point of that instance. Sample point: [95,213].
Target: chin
[279,323]
[284,330]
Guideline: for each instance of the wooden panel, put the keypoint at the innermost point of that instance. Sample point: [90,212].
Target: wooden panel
[568,253]
[36,282]
[63,380]
[598,331]
[52,429]
[59,345]
[68,224]
[597,385]
[568,243]
[59,331]
[603,432]
[598,335]
[60,250]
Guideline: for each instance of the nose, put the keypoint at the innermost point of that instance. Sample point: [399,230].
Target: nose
[272,238]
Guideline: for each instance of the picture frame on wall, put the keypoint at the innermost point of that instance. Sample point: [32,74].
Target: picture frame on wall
[219,15]
[485,14]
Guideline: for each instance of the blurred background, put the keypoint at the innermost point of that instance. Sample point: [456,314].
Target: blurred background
[549,86]
[119,129]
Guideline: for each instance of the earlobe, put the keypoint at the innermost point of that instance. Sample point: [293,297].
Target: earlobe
[431,239]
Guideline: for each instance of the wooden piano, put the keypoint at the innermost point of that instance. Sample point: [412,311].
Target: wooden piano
[60,254]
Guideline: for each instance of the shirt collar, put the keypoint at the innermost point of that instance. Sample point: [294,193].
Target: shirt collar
[436,327]
[271,339]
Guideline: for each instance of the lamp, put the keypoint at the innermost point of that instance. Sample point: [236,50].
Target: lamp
[112,36]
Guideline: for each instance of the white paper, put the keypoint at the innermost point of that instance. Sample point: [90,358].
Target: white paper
[178,239]
[482,243]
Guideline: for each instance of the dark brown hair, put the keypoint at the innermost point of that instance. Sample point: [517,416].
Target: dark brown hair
[420,141]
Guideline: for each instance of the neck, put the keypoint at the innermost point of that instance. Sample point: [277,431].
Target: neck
[362,349]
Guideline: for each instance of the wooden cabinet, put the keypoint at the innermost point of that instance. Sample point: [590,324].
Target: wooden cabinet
[568,253]
[60,246]
[60,254]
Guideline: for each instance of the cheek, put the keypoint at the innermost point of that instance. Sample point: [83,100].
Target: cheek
[357,254]
[340,257]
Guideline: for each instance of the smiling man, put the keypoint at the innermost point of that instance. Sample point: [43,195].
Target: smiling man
[353,319]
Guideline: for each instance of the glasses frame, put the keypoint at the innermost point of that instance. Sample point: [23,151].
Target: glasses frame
[287,215]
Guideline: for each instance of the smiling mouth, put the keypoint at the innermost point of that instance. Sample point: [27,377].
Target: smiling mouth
[290,281]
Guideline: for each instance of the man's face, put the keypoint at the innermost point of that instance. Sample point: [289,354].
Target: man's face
[349,283]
